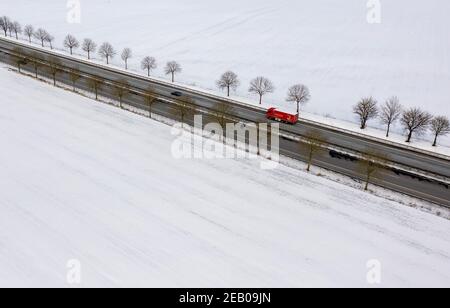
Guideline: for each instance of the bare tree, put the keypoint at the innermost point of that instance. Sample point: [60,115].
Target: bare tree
[50,38]
[4,24]
[261,86]
[126,55]
[150,98]
[148,64]
[440,126]
[19,58]
[229,80]
[96,84]
[54,67]
[184,109]
[172,68]
[366,109]
[36,63]
[221,114]
[89,46]
[71,42]
[74,76]
[315,141]
[390,112]
[16,28]
[41,35]
[298,94]
[370,164]
[121,90]
[414,120]
[106,51]
[28,31]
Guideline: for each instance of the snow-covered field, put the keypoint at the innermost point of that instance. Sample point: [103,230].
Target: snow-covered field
[86,181]
[325,44]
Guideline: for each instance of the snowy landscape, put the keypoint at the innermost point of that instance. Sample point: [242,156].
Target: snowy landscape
[335,51]
[86,182]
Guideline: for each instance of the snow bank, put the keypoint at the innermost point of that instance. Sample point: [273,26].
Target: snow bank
[87,181]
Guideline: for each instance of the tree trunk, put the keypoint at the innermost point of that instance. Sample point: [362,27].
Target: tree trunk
[298,107]
[388,130]
[435,140]
[409,136]
[260,99]
[173,77]
[36,72]
[107,60]
[228,91]
[309,160]
[70,50]
[148,72]
[89,55]
[363,123]
[367,183]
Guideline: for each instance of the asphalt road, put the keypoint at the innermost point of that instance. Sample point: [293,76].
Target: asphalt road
[408,183]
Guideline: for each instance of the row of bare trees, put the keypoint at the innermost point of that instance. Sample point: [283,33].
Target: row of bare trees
[414,120]
[260,86]
[313,141]
[14,28]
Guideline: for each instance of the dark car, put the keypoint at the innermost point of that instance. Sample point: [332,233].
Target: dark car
[177,94]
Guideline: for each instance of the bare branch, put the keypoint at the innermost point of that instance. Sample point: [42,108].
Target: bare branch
[229,80]
[121,90]
[126,55]
[315,141]
[54,67]
[74,76]
[41,35]
[50,38]
[106,51]
[414,120]
[299,94]
[16,28]
[370,164]
[89,46]
[440,126]
[148,64]
[96,84]
[366,109]
[261,86]
[390,112]
[71,42]
[150,98]
[172,68]
[28,31]
[5,23]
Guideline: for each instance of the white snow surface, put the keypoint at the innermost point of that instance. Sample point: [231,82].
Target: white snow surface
[325,44]
[87,181]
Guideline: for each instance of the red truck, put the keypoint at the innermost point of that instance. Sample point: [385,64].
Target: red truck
[274,114]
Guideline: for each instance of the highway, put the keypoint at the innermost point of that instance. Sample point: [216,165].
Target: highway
[429,165]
